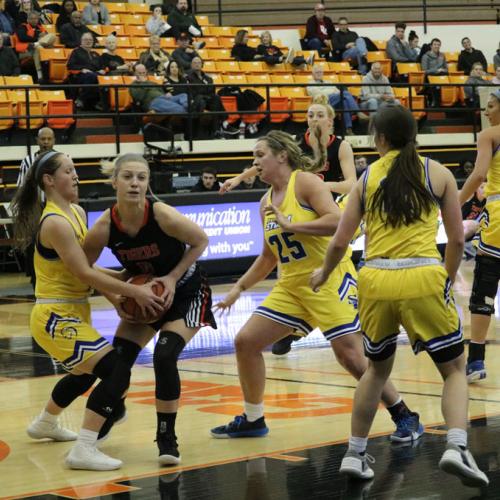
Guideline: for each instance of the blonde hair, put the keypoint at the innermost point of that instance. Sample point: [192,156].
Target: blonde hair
[266,33]
[111,168]
[279,141]
[322,100]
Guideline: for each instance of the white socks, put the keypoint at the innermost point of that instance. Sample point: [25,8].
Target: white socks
[48,417]
[358,444]
[253,412]
[87,437]
[457,436]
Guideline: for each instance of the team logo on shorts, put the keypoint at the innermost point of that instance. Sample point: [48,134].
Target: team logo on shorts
[56,322]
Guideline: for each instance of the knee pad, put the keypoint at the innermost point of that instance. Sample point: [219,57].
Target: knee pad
[70,387]
[115,378]
[484,287]
[166,353]
[127,350]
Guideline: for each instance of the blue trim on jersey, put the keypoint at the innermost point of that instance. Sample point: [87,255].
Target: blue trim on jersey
[307,207]
[379,347]
[81,347]
[363,192]
[490,250]
[342,330]
[284,319]
[347,282]
[439,343]
[496,150]
[428,183]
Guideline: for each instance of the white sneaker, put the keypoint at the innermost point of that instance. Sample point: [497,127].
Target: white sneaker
[461,463]
[290,56]
[40,429]
[86,457]
[356,465]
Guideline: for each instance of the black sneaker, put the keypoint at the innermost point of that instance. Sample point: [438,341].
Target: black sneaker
[241,427]
[169,451]
[284,345]
[230,130]
[118,416]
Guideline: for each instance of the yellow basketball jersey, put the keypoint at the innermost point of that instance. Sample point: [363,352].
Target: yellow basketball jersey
[297,254]
[493,177]
[53,279]
[384,241]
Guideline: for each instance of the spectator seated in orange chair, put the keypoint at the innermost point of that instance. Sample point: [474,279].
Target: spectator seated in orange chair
[267,49]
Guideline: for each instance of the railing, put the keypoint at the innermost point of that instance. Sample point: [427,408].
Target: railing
[191,115]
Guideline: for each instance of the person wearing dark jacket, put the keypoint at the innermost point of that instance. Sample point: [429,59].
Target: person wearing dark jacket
[67,8]
[175,81]
[184,21]
[71,33]
[347,45]
[184,54]
[267,49]
[7,24]
[397,48]
[207,181]
[84,64]
[319,30]
[9,64]
[469,56]
[111,61]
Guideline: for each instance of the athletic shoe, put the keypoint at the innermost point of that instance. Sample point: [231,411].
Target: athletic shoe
[241,427]
[40,429]
[230,130]
[475,371]
[284,345]
[117,417]
[198,45]
[169,451]
[408,428]
[290,56]
[310,59]
[356,465]
[461,463]
[87,457]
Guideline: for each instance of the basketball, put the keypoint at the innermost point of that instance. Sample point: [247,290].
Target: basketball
[131,307]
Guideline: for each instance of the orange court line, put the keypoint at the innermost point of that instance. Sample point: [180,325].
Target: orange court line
[286,458]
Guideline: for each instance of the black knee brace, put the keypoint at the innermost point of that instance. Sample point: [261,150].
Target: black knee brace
[127,350]
[167,350]
[115,378]
[70,387]
[484,287]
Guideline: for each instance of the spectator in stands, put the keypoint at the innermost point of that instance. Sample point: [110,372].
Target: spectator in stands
[67,8]
[207,181]
[469,56]
[348,46]
[152,98]
[7,24]
[496,78]
[205,98]
[413,41]
[361,164]
[112,62]
[335,99]
[84,64]
[434,61]
[71,33]
[157,25]
[476,77]
[319,31]
[175,81]
[252,182]
[397,48]
[184,21]
[496,58]
[266,48]
[155,58]
[25,7]
[30,37]
[9,63]
[95,12]
[377,91]
[184,53]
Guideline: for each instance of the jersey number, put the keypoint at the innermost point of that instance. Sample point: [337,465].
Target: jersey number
[296,250]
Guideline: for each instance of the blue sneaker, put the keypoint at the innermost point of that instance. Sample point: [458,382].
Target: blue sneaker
[408,428]
[475,371]
[241,427]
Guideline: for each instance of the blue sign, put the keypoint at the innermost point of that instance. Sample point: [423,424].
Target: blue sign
[234,230]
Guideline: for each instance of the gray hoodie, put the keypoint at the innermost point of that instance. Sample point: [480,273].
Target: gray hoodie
[399,51]
[432,62]
[374,88]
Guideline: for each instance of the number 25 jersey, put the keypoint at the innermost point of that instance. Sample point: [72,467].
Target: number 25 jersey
[298,254]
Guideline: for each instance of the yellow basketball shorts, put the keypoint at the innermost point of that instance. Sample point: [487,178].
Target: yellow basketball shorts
[489,235]
[64,331]
[333,309]
[429,317]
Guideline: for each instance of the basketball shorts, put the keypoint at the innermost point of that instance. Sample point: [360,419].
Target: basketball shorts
[333,309]
[421,301]
[192,302]
[65,332]
[489,235]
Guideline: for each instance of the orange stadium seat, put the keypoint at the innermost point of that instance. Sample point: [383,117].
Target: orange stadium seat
[230,105]
[118,29]
[227,66]
[292,92]
[117,7]
[380,44]
[124,99]
[253,67]
[59,107]
[140,42]
[115,18]
[279,107]
[227,31]
[96,28]
[449,95]
[7,111]
[133,30]
[128,54]
[56,59]
[132,20]
[282,78]
[299,104]
[376,55]
[220,54]
[350,79]
[138,8]
[203,21]
[459,79]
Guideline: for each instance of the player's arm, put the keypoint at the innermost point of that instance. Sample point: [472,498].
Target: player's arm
[57,233]
[349,223]
[310,190]
[346,159]
[230,184]
[446,189]
[483,160]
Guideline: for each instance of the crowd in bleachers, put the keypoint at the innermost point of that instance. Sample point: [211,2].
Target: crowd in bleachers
[121,43]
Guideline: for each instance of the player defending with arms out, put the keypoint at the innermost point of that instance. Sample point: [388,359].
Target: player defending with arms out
[60,319]
[299,216]
[154,238]
[487,269]
[404,283]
